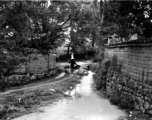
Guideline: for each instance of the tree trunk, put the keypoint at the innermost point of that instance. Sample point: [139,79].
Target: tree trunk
[93,39]
[102,9]
[68,50]
[48,61]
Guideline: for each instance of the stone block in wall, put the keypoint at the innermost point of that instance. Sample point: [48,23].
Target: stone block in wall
[149,74]
[146,105]
[136,106]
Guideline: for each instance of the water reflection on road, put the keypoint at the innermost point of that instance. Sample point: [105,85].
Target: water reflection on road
[84,105]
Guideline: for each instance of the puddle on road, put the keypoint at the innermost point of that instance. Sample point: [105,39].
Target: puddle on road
[61,75]
[84,105]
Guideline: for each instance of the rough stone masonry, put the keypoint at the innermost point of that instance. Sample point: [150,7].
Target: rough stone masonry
[136,78]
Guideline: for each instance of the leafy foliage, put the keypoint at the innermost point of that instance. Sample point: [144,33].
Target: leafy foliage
[85,26]
[8,62]
[128,17]
[34,23]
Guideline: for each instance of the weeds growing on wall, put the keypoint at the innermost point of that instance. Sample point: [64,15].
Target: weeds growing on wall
[101,74]
[110,71]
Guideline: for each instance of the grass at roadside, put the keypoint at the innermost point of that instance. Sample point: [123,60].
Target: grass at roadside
[26,101]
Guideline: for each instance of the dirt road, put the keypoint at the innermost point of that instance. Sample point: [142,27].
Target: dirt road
[20,101]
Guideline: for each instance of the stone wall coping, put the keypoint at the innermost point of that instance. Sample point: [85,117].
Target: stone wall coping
[133,43]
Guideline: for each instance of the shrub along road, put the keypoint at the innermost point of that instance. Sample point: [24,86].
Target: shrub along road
[37,85]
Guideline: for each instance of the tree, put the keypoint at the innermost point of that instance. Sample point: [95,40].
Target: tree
[8,63]
[14,18]
[85,25]
[52,24]
[34,23]
[127,17]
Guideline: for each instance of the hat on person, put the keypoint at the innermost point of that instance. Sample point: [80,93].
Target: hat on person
[72,57]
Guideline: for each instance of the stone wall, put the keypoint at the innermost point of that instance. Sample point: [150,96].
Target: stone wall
[134,81]
[37,63]
[136,61]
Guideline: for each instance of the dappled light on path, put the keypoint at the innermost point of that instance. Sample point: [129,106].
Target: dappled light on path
[85,104]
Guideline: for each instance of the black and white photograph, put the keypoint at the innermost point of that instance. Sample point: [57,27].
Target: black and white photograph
[75,60]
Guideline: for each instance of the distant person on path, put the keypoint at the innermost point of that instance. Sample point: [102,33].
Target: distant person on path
[72,63]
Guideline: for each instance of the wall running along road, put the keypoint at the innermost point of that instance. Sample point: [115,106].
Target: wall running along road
[135,81]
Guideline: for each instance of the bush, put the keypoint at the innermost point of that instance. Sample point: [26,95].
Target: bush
[3,84]
[96,59]
[25,79]
[111,70]
[101,74]
[63,57]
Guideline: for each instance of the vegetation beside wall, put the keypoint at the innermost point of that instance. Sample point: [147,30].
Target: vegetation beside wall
[24,79]
[107,78]
[101,74]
